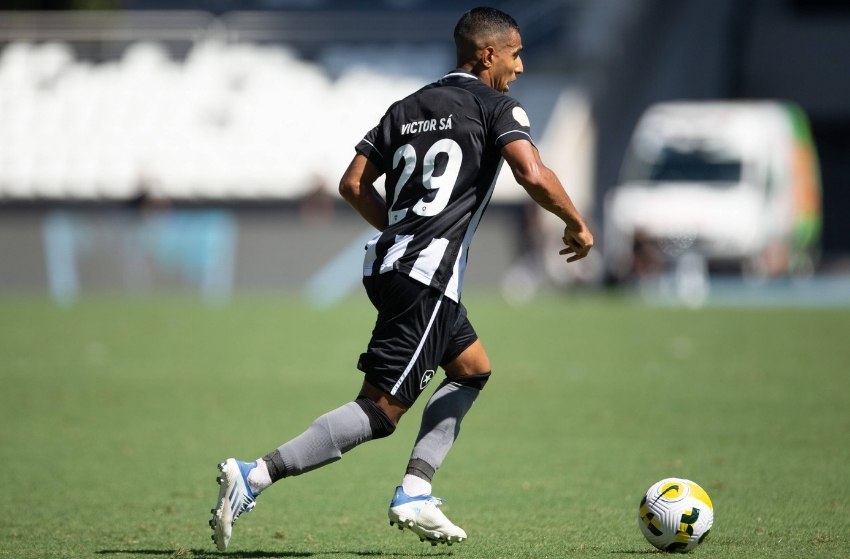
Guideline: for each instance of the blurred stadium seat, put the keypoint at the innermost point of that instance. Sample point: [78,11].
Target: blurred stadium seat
[230,121]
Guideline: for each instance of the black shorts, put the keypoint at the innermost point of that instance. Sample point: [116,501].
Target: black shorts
[417,330]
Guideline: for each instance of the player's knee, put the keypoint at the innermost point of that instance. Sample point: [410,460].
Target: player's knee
[473,381]
[381,424]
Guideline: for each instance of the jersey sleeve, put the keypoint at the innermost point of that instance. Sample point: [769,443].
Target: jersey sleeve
[370,146]
[511,123]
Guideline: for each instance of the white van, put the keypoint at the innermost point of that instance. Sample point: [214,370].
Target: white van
[736,183]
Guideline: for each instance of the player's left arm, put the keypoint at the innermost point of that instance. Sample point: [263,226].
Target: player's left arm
[544,188]
[357,186]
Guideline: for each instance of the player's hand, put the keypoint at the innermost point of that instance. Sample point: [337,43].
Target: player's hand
[579,242]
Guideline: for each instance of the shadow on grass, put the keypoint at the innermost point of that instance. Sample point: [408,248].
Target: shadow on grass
[207,554]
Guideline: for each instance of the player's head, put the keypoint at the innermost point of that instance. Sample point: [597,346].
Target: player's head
[488,43]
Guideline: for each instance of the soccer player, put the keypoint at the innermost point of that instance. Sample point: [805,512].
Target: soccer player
[441,149]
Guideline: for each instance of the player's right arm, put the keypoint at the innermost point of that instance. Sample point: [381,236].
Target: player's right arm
[547,191]
[357,186]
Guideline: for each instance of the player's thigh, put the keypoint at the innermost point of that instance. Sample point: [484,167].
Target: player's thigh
[465,354]
[472,361]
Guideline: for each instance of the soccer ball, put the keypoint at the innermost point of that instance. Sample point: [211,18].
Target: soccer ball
[675,515]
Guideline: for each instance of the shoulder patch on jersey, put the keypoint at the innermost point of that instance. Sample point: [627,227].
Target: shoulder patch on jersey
[520,116]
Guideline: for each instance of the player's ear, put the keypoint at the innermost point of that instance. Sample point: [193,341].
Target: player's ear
[486,56]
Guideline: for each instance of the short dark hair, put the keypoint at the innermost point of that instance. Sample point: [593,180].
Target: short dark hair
[481,23]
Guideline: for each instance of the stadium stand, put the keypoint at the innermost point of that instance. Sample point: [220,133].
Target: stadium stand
[146,149]
[192,106]
[218,124]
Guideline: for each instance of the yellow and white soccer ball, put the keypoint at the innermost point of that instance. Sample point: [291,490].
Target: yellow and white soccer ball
[675,515]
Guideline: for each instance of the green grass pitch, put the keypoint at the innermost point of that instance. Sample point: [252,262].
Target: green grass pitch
[114,413]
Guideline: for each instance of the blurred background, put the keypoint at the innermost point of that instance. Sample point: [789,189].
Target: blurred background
[195,146]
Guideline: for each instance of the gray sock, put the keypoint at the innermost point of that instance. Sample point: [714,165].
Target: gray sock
[440,427]
[325,441]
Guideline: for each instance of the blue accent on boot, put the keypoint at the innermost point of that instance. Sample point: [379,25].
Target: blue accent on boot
[401,497]
[244,469]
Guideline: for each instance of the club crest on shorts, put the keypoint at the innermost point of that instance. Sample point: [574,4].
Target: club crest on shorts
[426,378]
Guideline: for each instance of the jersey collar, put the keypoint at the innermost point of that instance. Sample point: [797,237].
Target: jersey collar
[460,73]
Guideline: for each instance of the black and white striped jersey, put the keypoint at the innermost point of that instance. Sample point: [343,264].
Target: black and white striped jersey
[440,149]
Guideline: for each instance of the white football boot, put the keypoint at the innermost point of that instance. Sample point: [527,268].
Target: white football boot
[420,515]
[234,497]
